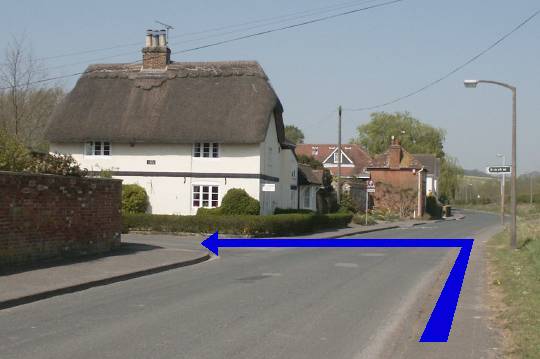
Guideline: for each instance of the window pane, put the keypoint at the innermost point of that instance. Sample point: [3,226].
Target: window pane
[214,203]
[197,150]
[205,203]
[205,196]
[196,188]
[196,203]
[89,149]
[205,189]
[206,149]
[196,196]
[97,148]
[214,196]
[214,189]
[215,150]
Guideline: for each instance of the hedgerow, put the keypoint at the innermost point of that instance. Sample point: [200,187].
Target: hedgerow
[279,224]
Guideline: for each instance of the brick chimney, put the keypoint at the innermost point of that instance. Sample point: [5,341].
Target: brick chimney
[394,154]
[156,54]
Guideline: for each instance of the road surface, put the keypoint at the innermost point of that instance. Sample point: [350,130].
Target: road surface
[248,303]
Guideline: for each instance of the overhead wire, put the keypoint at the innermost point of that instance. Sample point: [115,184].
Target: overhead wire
[451,72]
[238,38]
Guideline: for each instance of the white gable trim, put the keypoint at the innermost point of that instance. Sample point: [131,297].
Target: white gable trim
[343,154]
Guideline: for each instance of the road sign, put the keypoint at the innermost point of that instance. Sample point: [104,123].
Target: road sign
[269,187]
[499,169]
[370,187]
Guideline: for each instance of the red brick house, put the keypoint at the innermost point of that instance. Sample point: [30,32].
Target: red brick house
[400,180]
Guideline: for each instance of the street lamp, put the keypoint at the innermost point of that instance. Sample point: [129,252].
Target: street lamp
[503,180]
[473,84]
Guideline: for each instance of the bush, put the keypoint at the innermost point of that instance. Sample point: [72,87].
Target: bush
[433,208]
[279,224]
[347,204]
[13,155]
[237,202]
[134,199]
[360,218]
[292,210]
[58,164]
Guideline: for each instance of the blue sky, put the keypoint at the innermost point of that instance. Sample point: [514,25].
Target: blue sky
[356,60]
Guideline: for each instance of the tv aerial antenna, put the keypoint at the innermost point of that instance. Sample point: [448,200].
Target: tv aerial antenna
[167,28]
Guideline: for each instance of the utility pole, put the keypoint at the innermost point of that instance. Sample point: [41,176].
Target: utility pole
[339,157]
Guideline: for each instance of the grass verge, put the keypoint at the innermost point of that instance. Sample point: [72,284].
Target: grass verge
[517,272]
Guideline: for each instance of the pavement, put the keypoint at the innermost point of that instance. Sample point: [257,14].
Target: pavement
[140,254]
[267,303]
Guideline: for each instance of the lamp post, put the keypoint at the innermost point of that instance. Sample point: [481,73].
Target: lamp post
[473,84]
[503,180]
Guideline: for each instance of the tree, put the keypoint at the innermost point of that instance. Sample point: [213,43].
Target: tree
[310,161]
[25,106]
[294,134]
[415,136]
[449,178]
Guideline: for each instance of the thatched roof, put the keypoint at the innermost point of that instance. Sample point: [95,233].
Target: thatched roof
[227,102]
[307,175]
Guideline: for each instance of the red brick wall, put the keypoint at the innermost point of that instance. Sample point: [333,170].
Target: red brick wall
[46,216]
[398,179]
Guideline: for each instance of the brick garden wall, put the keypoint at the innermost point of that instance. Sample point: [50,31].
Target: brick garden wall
[47,216]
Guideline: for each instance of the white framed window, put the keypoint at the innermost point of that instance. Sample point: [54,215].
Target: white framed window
[206,149]
[307,199]
[205,196]
[314,151]
[97,148]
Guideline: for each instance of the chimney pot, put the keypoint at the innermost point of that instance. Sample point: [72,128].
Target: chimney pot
[162,38]
[148,42]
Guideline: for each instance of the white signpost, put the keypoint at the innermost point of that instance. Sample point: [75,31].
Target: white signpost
[370,188]
[499,170]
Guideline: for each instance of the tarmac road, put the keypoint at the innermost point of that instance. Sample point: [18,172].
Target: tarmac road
[248,303]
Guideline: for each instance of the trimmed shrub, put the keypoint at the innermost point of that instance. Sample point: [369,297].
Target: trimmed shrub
[134,199]
[237,202]
[433,208]
[279,224]
[292,210]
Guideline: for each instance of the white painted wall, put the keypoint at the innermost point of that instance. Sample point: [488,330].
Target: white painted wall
[173,195]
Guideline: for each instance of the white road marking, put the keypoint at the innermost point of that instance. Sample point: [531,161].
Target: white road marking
[346,265]
[372,254]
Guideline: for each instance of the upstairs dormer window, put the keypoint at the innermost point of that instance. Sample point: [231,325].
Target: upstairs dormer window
[206,149]
[98,148]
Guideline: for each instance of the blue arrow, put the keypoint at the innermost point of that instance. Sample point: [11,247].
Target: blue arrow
[440,322]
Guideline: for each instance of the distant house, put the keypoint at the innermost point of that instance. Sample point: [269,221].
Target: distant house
[185,131]
[432,164]
[354,158]
[310,181]
[400,180]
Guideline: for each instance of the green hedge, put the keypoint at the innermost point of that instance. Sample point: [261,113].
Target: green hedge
[292,210]
[279,224]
